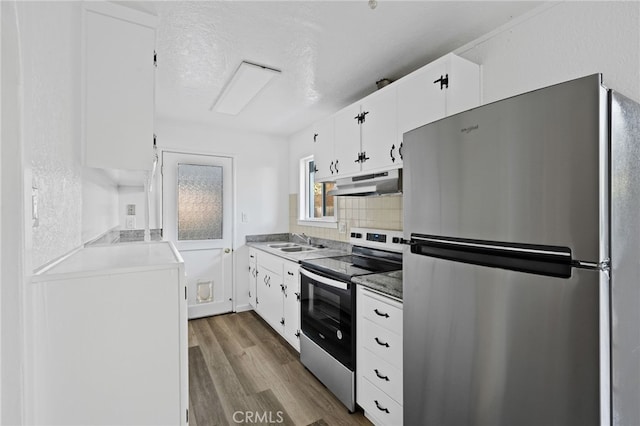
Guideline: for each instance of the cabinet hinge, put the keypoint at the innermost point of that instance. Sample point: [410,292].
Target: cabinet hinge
[297,297]
[154,140]
[187,415]
[185,293]
[298,334]
[282,321]
[444,81]
[315,137]
[155,59]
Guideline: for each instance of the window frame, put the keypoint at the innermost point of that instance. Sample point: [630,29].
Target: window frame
[304,198]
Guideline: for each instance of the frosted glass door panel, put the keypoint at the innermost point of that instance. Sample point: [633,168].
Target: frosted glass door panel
[200,202]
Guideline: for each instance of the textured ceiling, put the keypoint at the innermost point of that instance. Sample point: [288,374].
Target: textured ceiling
[331,53]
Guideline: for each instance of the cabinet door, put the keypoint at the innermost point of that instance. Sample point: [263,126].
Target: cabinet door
[292,304]
[379,130]
[119,71]
[323,158]
[420,100]
[347,141]
[269,293]
[253,277]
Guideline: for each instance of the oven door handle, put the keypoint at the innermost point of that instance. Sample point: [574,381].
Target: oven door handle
[323,280]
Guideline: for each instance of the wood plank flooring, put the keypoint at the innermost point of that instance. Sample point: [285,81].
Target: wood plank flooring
[242,372]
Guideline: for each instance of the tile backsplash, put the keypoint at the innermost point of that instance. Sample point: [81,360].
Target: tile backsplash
[383,212]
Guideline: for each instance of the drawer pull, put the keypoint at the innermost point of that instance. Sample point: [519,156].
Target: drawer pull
[290,273]
[381,314]
[381,343]
[386,410]
[380,376]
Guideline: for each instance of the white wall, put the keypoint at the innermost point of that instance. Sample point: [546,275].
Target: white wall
[135,195]
[562,42]
[11,295]
[261,181]
[76,204]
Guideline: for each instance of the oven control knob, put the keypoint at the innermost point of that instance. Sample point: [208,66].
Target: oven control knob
[339,334]
[396,240]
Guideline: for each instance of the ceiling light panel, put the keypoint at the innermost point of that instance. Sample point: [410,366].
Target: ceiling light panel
[248,80]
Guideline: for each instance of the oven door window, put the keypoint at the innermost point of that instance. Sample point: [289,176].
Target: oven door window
[327,318]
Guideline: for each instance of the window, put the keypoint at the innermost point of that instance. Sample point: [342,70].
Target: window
[199,202]
[315,204]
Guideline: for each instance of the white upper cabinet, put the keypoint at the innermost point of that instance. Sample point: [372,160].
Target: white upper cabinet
[444,87]
[323,158]
[347,140]
[378,130]
[118,89]
[367,135]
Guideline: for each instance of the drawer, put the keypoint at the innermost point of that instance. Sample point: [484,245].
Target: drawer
[382,374]
[385,313]
[270,262]
[291,274]
[379,405]
[382,342]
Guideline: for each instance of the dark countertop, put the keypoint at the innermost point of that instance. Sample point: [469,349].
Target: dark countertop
[387,283]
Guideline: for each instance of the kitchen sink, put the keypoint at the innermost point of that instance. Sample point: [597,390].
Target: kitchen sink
[284,245]
[296,249]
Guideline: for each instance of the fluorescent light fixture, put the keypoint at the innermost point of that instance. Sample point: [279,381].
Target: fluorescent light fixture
[248,80]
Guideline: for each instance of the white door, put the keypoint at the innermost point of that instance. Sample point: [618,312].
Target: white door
[197,201]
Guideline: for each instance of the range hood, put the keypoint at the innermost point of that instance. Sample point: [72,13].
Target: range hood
[383,183]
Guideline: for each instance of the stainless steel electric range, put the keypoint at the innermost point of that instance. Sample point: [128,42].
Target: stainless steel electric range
[328,339]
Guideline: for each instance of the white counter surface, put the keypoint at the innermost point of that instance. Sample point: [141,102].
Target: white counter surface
[114,257]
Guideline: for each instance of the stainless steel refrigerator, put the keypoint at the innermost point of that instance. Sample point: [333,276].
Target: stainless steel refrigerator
[522,274]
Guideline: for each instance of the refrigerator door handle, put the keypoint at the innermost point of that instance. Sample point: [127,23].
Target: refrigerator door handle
[537,259]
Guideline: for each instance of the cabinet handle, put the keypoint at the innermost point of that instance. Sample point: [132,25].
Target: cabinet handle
[380,376]
[297,296]
[381,408]
[315,169]
[382,343]
[383,314]
[364,157]
[400,150]
[359,159]
[282,287]
[249,293]
[298,334]
[444,81]
[393,159]
[290,273]
[315,137]
[264,279]
[336,166]
[251,256]
[282,321]
[331,167]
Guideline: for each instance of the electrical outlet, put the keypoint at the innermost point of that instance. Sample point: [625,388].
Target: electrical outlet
[131,222]
[131,209]
[342,227]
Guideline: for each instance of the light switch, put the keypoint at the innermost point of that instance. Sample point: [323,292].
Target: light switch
[245,217]
[131,209]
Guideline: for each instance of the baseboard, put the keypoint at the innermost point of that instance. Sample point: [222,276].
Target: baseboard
[243,308]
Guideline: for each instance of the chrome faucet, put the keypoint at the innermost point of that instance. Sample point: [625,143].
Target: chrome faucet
[303,237]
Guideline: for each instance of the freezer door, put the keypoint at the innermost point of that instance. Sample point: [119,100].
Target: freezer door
[488,346]
[528,169]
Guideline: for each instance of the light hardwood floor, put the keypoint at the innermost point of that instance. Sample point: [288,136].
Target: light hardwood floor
[242,372]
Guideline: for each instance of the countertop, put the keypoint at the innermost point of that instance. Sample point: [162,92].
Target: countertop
[297,257]
[387,283]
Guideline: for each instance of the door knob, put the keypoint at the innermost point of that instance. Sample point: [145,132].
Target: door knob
[227,250]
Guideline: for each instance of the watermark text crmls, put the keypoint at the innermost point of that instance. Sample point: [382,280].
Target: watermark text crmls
[247,417]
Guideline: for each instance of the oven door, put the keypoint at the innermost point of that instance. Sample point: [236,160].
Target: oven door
[327,308]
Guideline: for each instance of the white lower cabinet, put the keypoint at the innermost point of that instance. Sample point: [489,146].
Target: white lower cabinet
[277,294]
[253,277]
[108,329]
[379,357]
